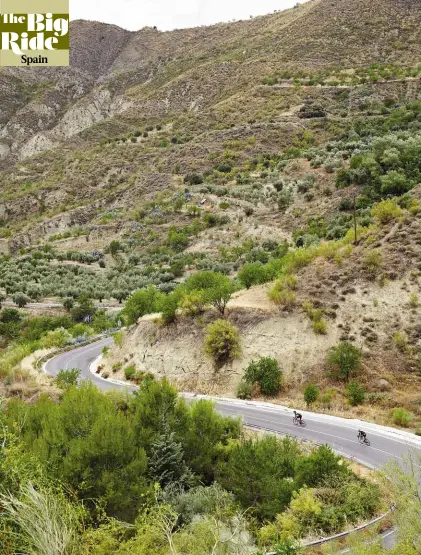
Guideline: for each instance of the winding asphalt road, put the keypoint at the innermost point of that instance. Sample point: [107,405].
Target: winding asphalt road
[340,433]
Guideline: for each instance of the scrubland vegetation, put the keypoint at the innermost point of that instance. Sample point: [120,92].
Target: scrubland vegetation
[111,474]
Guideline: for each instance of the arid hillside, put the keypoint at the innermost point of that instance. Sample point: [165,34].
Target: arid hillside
[150,75]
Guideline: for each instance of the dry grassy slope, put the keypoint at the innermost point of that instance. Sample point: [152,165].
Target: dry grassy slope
[320,31]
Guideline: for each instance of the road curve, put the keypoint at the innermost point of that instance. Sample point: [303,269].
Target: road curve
[340,433]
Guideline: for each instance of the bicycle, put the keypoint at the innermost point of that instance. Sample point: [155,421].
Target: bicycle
[299,421]
[363,439]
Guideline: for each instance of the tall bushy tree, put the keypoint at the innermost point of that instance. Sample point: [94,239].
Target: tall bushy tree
[21,299]
[319,467]
[216,288]
[143,301]
[266,373]
[344,360]
[84,308]
[311,394]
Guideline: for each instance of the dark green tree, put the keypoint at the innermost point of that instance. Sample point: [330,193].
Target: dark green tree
[20,299]
[319,467]
[355,393]
[167,465]
[259,474]
[84,308]
[311,394]
[266,373]
[344,360]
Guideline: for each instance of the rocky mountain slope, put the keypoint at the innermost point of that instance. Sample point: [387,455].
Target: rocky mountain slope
[153,74]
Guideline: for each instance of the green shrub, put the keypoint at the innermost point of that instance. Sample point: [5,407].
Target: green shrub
[101,321]
[282,291]
[361,499]
[80,329]
[283,297]
[67,378]
[386,211]
[130,372]
[222,342]
[254,274]
[55,338]
[244,390]
[320,327]
[266,373]
[193,303]
[169,305]
[285,199]
[414,300]
[344,360]
[355,393]
[401,417]
[315,314]
[311,394]
[290,282]
[400,340]
[224,168]
[395,183]
[117,366]
[177,240]
[118,337]
[326,397]
[346,205]
[114,247]
[373,261]
[320,466]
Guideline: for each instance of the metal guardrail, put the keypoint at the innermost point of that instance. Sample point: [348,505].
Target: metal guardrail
[341,535]
[39,363]
[349,532]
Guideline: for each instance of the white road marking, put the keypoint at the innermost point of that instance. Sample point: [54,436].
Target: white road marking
[323,433]
[73,358]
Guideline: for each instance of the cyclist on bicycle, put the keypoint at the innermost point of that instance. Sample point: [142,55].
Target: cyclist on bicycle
[298,416]
[362,435]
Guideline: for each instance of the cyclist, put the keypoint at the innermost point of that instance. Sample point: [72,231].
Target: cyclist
[298,416]
[362,435]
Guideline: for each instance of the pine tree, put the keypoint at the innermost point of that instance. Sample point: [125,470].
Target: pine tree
[167,465]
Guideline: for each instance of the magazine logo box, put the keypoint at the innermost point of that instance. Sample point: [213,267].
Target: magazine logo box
[34,33]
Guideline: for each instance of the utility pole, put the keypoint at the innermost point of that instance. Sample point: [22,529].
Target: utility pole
[355,221]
